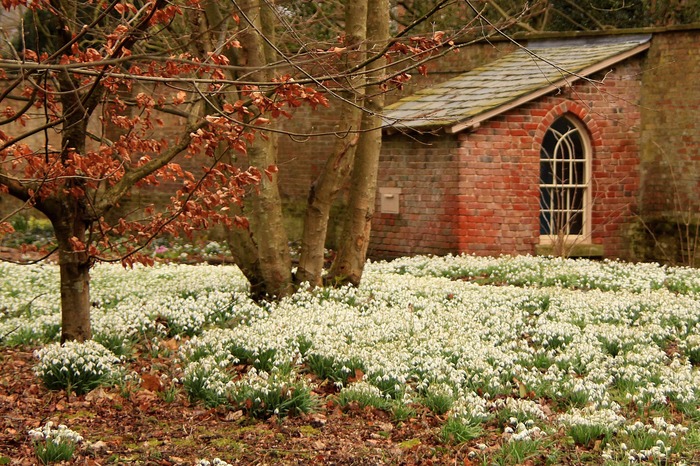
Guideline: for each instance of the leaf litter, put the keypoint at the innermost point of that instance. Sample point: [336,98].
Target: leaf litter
[137,426]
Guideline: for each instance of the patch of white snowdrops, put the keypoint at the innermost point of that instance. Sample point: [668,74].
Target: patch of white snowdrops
[550,343]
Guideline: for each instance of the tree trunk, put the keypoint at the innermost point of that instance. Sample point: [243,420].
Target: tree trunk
[337,168]
[75,298]
[352,252]
[74,267]
[263,255]
[68,217]
[267,225]
[245,256]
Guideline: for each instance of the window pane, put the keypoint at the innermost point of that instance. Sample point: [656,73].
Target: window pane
[545,222]
[546,175]
[548,145]
[576,223]
[578,152]
[558,198]
[577,199]
[545,198]
[579,175]
[559,221]
[562,174]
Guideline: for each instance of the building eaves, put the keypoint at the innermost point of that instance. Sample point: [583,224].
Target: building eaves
[519,77]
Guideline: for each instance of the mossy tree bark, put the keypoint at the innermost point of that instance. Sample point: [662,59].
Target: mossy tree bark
[352,253]
[262,252]
[338,165]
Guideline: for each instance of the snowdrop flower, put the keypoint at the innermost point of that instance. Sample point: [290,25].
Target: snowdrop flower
[60,434]
[411,324]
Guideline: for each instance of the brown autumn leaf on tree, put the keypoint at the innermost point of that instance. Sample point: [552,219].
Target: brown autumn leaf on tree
[109,97]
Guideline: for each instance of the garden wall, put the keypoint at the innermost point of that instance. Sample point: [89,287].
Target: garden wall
[670,149]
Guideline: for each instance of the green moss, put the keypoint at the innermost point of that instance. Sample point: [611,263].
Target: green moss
[185,442]
[116,459]
[82,414]
[256,429]
[408,444]
[309,431]
[228,443]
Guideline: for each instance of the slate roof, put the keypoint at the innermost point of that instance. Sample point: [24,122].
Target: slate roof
[517,78]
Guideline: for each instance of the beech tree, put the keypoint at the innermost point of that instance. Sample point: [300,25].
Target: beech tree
[365,60]
[352,253]
[89,90]
[82,113]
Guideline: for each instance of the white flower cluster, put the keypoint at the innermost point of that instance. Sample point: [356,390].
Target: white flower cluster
[416,330]
[440,389]
[208,375]
[657,454]
[470,407]
[80,366]
[659,427]
[531,409]
[589,416]
[362,389]
[58,435]
[523,431]
[264,383]
[214,462]
[544,271]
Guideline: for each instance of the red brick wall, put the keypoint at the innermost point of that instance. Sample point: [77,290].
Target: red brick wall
[427,169]
[671,126]
[479,193]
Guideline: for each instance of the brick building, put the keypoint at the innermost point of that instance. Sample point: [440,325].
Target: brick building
[520,156]
[586,146]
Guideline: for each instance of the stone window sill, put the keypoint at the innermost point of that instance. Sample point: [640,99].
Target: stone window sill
[576,250]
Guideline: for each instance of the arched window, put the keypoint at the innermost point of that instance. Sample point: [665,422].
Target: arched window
[564,182]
